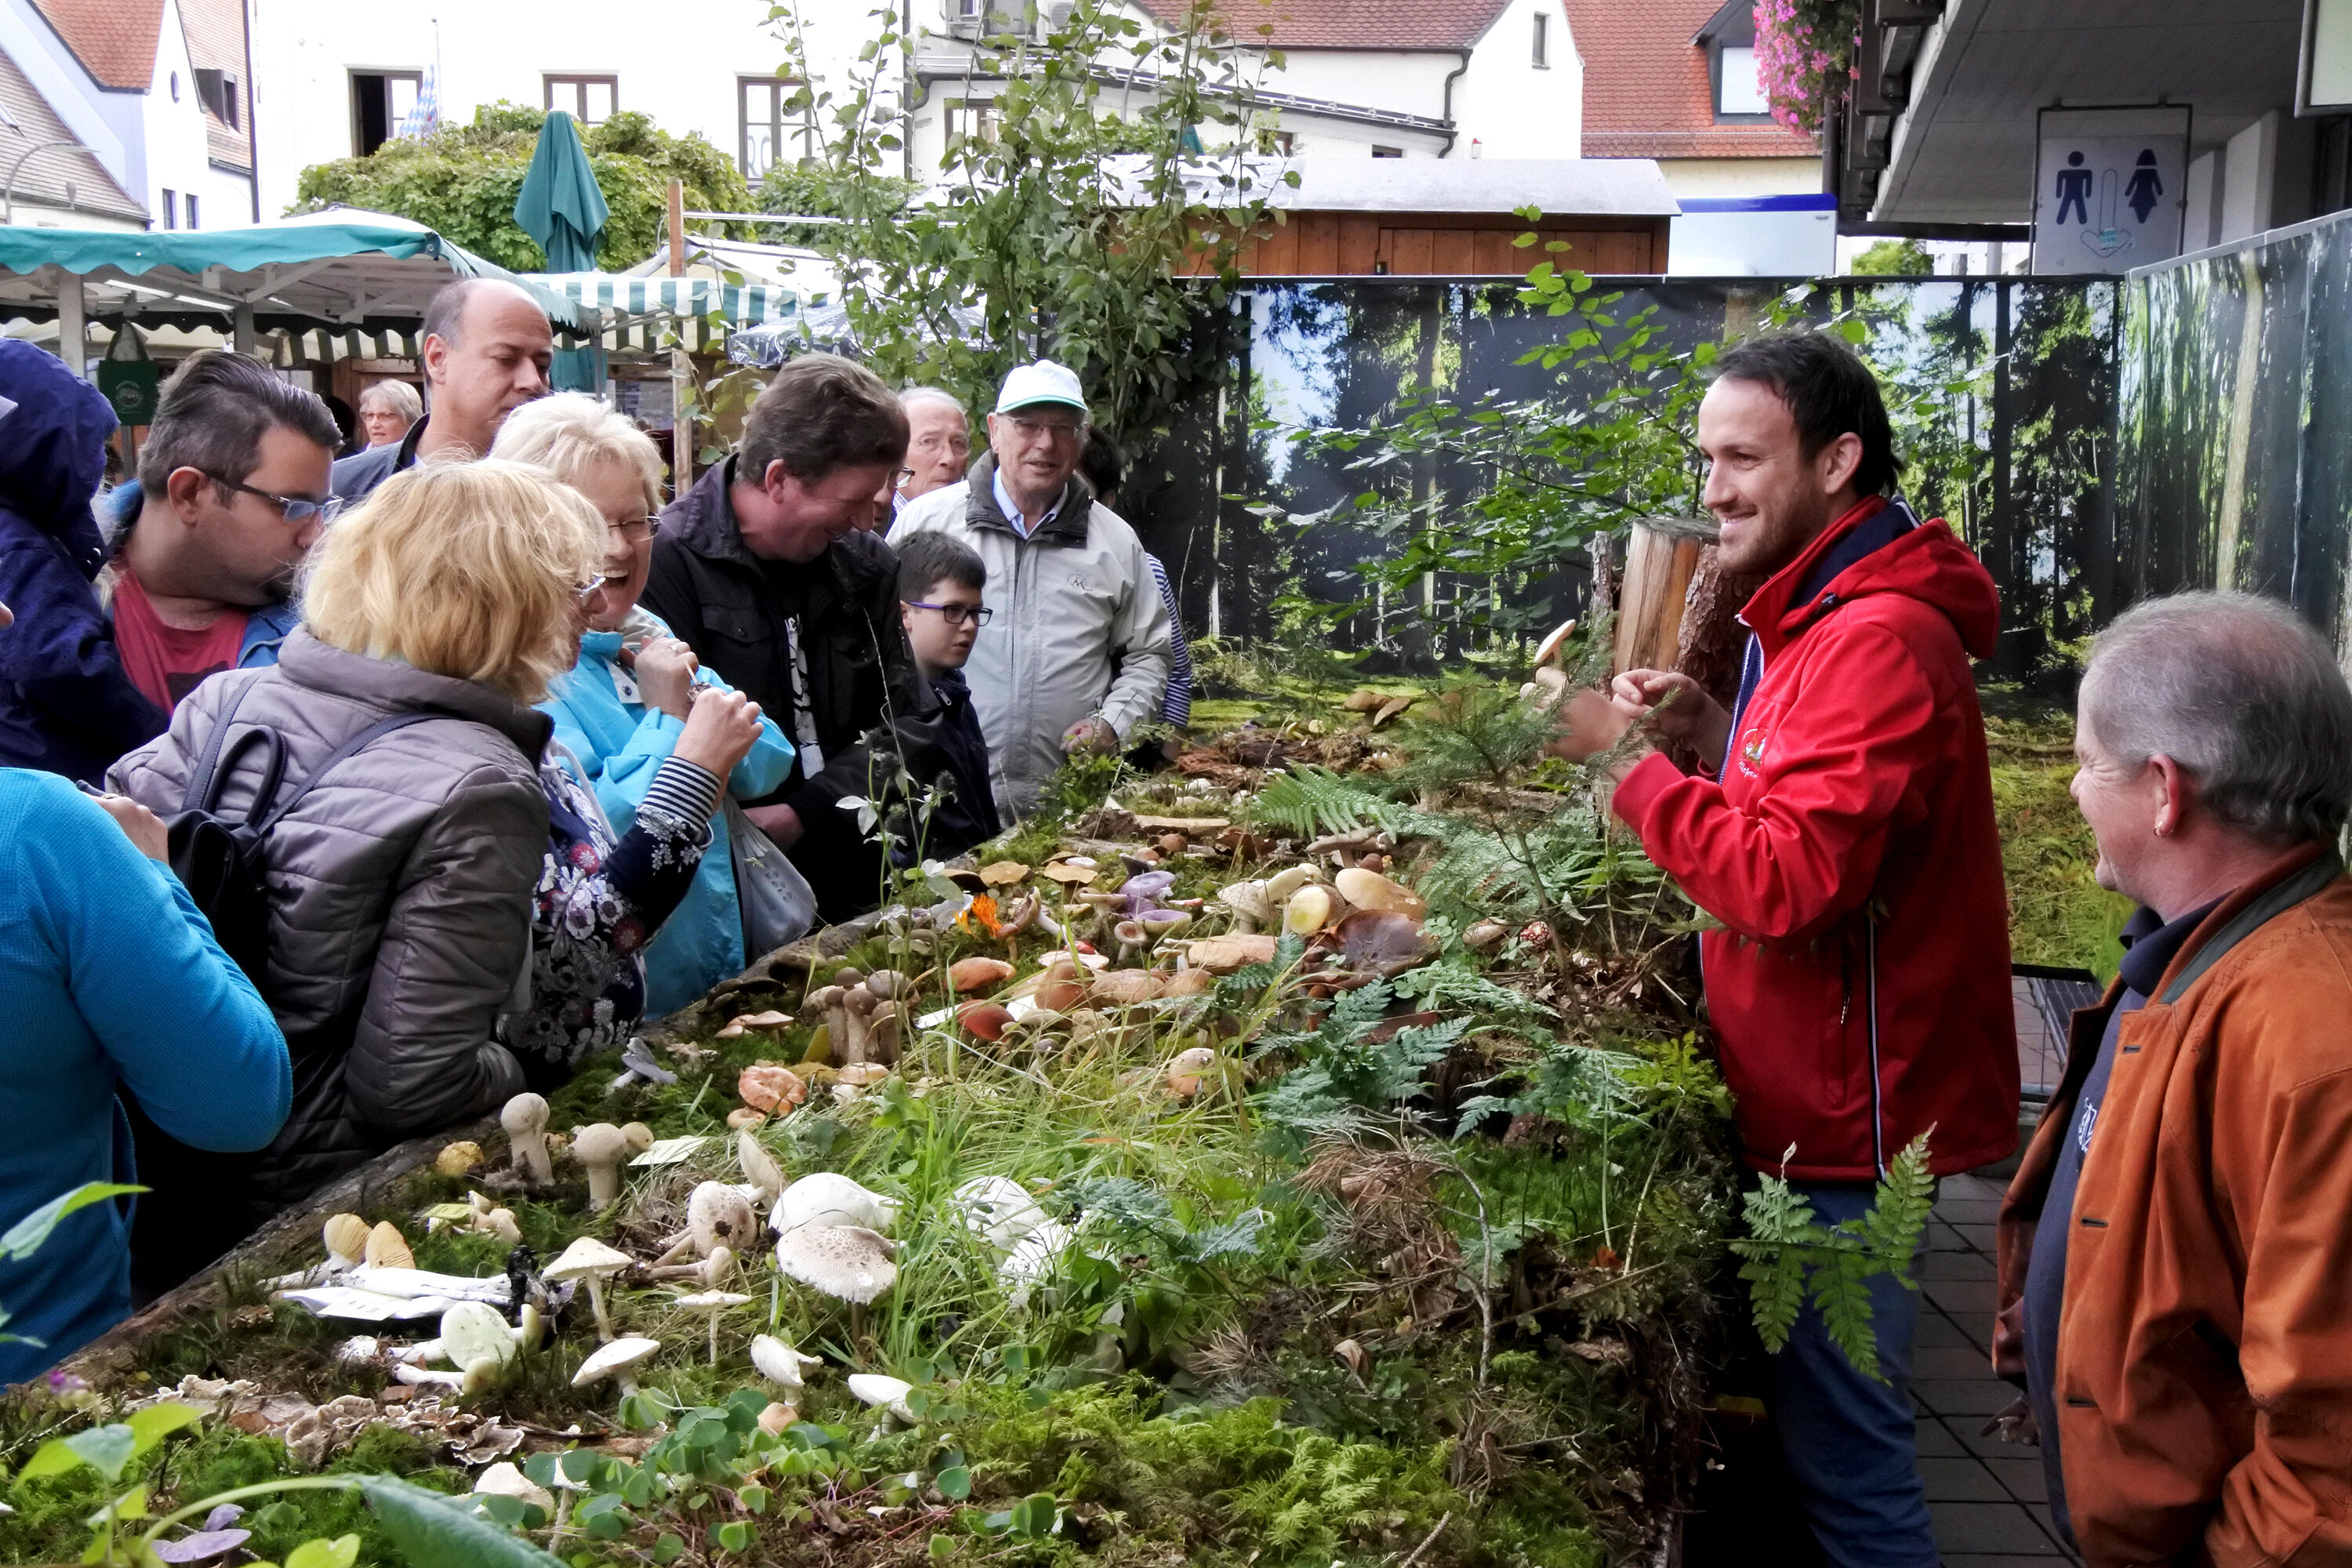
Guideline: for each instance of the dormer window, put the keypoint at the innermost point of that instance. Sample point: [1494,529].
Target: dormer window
[1729,40]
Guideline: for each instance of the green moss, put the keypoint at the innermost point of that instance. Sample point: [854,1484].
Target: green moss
[2058,914]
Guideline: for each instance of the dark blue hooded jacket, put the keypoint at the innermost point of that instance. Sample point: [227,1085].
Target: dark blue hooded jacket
[66,705]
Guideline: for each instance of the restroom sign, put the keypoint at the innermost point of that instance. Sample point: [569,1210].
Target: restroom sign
[2109,189]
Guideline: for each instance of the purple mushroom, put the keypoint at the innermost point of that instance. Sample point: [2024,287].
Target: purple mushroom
[1145,889]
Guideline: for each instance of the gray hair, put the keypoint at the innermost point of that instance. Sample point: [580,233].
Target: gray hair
[394,397]
[2244,696]
[914,395]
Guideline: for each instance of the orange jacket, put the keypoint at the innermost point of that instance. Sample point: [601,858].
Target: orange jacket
[2205,1345]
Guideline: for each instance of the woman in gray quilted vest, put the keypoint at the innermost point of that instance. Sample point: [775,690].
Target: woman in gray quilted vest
[400,882]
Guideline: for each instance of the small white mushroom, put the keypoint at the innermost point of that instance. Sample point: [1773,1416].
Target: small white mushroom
[825,1197]
[712,1304]
[502,1479]
[884,1393]
[760,1168]
[782,1365]
[525,1120]
[844,1262]
[1033,1261]
[590,1260]
[710,1273]
[475,1379]
[600,1148]
[1251,907]
[1289,881]
[617,1361]
[999,1210]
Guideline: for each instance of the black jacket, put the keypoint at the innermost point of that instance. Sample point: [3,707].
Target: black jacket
[866,697]
[968,817]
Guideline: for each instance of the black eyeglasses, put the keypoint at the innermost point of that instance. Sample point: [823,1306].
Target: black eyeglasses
[904,475]
[293,509]
[638,530]
[956,614]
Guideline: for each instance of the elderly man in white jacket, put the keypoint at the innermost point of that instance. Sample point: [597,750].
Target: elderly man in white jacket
[1077,651]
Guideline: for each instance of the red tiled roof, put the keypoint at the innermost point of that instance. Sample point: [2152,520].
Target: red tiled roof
[114,39]
[1386,24]
[1645,87]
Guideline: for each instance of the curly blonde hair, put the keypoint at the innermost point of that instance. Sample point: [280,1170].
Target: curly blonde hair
[467,569]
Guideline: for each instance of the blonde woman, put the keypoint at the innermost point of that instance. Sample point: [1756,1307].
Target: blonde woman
[625,708]
[400,881]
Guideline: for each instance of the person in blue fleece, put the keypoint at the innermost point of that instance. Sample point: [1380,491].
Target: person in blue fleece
[67,705]
[111,983]
[621,707]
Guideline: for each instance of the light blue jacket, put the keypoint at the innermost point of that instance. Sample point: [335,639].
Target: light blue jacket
[620,745]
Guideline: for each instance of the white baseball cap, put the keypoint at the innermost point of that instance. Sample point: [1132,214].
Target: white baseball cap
[1044,382]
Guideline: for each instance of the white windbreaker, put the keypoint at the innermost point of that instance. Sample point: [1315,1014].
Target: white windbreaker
[1074,603]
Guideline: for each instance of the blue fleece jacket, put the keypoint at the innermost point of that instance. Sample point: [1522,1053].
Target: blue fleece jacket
[110,979]
[620,745]
[66,706]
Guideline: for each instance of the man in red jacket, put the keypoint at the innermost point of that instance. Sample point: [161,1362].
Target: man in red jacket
[1843,834]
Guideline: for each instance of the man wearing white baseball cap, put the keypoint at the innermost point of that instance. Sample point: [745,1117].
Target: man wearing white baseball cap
[1077,653]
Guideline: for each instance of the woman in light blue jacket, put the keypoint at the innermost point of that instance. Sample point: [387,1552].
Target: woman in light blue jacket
[621,707]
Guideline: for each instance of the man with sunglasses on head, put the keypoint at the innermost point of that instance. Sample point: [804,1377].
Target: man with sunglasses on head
[1078,653]
[233,489]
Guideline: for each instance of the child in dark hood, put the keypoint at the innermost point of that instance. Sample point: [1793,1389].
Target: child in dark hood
[66,705]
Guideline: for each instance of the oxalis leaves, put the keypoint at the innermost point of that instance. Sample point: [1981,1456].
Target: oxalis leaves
[1790,1254]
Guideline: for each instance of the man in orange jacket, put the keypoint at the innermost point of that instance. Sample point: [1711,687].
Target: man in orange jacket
[2176,1256]
[1843,834]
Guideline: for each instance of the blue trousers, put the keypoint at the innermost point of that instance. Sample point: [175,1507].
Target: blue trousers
[1846,1438]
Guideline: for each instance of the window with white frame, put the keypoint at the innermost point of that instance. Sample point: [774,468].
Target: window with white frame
[971,119]
[589,100]
[772,130]
[1739,88]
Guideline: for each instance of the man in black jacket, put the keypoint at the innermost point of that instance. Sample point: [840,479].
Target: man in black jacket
[763,571]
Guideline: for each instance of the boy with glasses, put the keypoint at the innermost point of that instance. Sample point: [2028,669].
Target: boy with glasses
[234,490]
[940,583]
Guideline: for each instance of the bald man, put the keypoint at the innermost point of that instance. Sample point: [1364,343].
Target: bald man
[487,349]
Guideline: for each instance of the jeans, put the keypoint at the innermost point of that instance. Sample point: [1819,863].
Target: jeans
[1846,1437]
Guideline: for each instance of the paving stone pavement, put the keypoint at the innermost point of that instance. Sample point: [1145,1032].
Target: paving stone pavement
[1990,1504]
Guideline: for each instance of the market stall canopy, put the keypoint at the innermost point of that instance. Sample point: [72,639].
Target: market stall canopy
[334,270]
[637,311]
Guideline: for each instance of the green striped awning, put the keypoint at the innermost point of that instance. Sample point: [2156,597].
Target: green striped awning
[738,304]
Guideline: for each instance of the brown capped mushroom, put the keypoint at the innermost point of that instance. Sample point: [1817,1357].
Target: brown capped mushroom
[600,1148]
[985,1020]
[1370,890]
[346,1238]
[1363,699]
[765,1087]
[978,973]
[1003,873]
[889,984]
[387,1248]
[859,1004]
[1185,1071]
[525,1120]
[457,1159]
[885,1030]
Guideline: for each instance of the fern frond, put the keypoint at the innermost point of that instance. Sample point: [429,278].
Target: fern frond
[1308,802]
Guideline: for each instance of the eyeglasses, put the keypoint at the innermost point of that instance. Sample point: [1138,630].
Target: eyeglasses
[293,509]
[585,593]
[956,614]
[638,530]
[1030,429]
[904,475]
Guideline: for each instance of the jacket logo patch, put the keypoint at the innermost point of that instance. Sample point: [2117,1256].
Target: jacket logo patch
[1752,749]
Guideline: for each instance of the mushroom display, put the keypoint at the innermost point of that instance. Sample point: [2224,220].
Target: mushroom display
[848,1262]
[712,1304]
[1248,901]
[827,1198]
[717,1216]
[590,1260]
[525,1120]
[346,1237]
[618,1361]
[601,1148]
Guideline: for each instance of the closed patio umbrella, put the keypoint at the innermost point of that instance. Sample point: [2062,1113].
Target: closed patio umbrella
[562,209]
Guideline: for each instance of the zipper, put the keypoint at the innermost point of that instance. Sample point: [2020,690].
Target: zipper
[1877,1114]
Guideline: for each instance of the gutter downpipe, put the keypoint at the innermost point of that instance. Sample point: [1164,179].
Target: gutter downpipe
[1453,132]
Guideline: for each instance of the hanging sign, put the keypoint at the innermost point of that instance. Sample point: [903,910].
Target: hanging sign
[2109,188]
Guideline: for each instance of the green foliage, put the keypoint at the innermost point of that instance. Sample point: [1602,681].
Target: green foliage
[1476,729]
[1791,1254]
[1059,255]
[1893,258]
[1352,1067]
[1308,802]
[462,182]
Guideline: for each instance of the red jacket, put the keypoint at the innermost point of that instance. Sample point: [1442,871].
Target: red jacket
[1861,989]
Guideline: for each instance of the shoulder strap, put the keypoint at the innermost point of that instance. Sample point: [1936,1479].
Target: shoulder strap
[213,767]
[357,743]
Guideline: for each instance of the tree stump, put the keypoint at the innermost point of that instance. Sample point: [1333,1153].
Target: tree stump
[1661,557]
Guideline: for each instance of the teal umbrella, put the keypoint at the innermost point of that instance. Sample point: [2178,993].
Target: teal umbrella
[562,209]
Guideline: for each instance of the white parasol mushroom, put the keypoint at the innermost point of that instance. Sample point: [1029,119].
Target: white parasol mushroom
[782,1365]
[848,1262]
[617,1361]
[884,1393]
[712,1304]
[824,1197]
[999,1210]
[590,1260]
